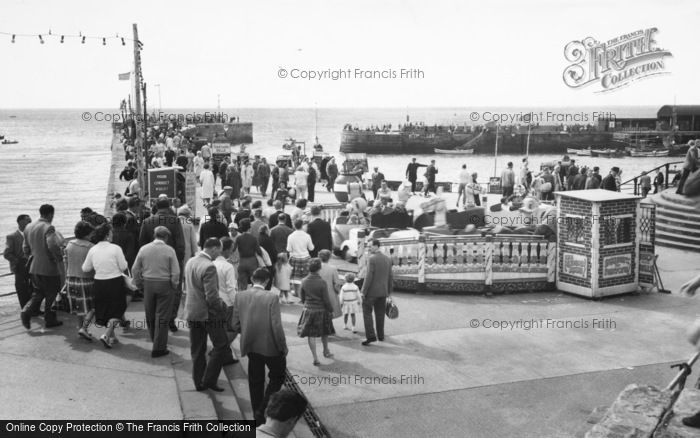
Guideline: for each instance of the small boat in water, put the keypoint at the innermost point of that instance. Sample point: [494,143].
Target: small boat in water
[9,141]
[607,153]
[455,151]
[584,152]
[649,153]
[572,151]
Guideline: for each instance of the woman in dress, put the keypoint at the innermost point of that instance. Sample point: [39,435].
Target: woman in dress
[247,174]
[109,263]
[79,283]
[301,181]
[198,163]
[316,318]
[330,275]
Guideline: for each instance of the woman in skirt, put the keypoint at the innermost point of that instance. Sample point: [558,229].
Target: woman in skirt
[298,246]
[109,263]
[79,283]
[316,318]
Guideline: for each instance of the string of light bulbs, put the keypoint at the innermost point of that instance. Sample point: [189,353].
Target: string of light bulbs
[43,37]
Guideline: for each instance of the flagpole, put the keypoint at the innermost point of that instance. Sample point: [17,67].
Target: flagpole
[527,147]
[495,157]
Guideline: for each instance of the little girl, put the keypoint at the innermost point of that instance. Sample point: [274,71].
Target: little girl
[283,277]
[350,300]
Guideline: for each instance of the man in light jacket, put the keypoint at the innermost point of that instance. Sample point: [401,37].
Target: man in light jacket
[43,243]
[205,313]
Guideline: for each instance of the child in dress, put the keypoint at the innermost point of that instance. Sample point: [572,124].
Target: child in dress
[350,300]
[283,277]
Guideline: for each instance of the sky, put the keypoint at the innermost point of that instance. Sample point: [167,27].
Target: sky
[496,53]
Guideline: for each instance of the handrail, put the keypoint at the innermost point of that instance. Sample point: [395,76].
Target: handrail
[636,178]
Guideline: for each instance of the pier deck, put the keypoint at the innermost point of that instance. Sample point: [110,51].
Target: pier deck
[462,381]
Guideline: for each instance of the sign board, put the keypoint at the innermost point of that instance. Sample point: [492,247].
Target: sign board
[221,148]
[619,265]
[575,265]
[190,189]
[495,185]
[161,181]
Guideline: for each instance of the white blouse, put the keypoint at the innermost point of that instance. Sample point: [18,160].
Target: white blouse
[107,259]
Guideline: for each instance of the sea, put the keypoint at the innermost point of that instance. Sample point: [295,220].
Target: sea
[64,160]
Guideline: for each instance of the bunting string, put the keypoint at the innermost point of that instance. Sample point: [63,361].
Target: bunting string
[43,38]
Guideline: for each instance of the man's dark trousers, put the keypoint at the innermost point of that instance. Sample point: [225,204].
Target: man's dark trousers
[22,284]
[46,287]
[379,306]
[203,372]
[256,380]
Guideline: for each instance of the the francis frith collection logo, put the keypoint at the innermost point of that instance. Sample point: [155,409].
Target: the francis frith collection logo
[614,63]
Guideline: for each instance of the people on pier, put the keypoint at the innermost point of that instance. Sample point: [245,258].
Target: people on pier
[15,254]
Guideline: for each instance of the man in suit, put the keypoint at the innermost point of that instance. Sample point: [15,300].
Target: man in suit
[412,173]
[320,232]
[377,286]
[46,267]
[211,227]
[274,217]
[205,313]
[430,173]
[18,261]
[377,178]
[608,182]
[256,316]
[280,233]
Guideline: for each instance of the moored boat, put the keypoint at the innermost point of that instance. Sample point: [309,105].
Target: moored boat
[455,151]
[649,153]
[10,142]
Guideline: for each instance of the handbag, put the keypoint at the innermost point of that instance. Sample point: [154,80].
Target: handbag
[263,258]
[392,310]
[129,282]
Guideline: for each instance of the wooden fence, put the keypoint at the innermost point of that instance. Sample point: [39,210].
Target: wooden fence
[434,263]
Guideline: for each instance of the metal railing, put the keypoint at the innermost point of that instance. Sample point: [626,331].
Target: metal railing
[636,188]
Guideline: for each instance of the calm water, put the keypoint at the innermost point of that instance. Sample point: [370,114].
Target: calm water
[64,160]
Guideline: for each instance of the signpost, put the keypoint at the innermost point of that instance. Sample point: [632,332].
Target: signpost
[162,182]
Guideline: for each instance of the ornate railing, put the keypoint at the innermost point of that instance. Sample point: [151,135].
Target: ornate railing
[469,263]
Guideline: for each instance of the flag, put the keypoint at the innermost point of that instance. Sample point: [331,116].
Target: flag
[124,76]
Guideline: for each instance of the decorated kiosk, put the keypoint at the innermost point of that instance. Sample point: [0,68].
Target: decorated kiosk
[602,237]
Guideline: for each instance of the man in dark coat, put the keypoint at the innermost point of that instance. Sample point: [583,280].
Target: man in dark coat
[212,227]
[263,170]
[609,181]
[14,253]
[430,173]
[376,288]
[377,178]
[164,216]
[320,232]
[311,184]
[412,173]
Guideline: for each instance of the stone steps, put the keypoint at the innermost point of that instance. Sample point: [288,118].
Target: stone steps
[677,221]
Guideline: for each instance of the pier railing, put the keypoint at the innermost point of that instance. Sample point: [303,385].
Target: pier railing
[633,185]
[468,263]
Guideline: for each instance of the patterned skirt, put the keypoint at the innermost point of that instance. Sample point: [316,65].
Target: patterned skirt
[80,293]
[300,268]
[315,323]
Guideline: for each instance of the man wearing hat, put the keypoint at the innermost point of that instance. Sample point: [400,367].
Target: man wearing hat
[377,178]
[226,205]
[689,166]
[609,181]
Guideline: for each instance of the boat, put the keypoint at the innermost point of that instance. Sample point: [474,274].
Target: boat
[584,152]
[649,153]
[455,151]
[607,153]
[572,151]
[10,142]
